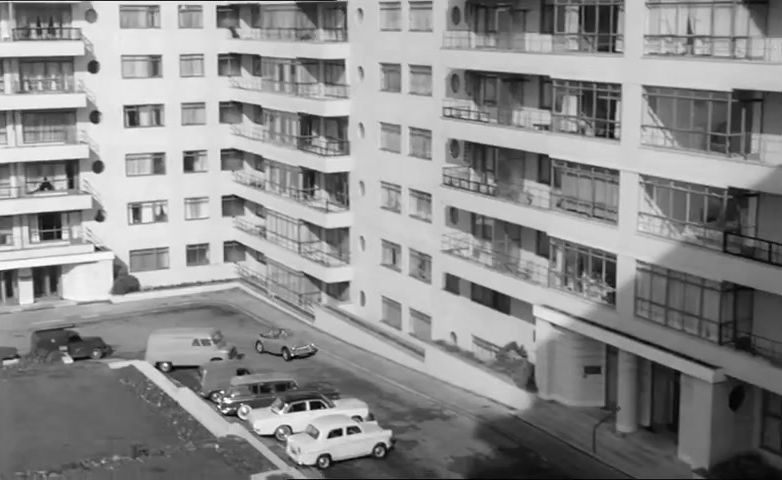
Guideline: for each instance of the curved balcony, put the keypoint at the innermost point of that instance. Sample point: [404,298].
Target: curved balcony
[295,34]
[322,146]
[756,49]
[315,198]
[317,90]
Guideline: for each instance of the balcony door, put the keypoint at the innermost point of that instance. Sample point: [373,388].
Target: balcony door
[484,164]
[50,226]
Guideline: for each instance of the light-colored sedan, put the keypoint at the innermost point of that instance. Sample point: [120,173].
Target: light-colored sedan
[291,413]
[333,438]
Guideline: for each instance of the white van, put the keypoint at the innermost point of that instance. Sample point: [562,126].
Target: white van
[187,347]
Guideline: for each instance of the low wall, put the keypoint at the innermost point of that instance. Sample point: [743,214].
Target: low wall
[172,292]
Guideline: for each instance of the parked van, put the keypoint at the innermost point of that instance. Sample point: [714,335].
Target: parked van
[214,378]
[187,347]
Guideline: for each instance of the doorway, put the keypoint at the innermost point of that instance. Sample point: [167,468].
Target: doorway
[8,286]
[46,281]
[666,398]
[50,226]
[611,377]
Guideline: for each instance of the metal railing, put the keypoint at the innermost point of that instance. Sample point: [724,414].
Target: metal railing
[533,42]
[72,234]
[323,146]
[759,49]
[37,134]
[299,89]
[316,198]
[304,300]
[296,34]
[533,194]
[700,235]
[40,188]
[521,117]
[758,345]
[46,33]
[48,84]
[249,227]
[754,248]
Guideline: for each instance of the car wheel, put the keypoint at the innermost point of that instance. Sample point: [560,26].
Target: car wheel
[282,433]
[324,461]
[380,450]
[259,346]
[96,354]
[165,367]
[243,411]
[215,396]
[286,355]
[357,418]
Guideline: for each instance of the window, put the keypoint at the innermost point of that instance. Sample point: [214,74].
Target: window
[194,161]
[336,433]
[421,205]
[392,313]
[231,159]
[194,113]
[421,143]
[3,130]
[391,16]
[191,65]
[391,197]
[586,108]
[144,116]
[142,66]
[139,164]
[233,252]
[490,298]
[233,206]
[771,427]
[197,254]
[298,407]
[391,77]
[196,208]
[587,26]
[227,16]
[452,283]
[191,16]
[585,190]
[541,244]
[139,16]
[584,271]
[148,259]
[52,126]
[318,405]
[230,112]
[420,16]
[229,65]
[390,137]
[353,430]
[140,213]
[420,266]
[392,255]
[421,80]
[684,302]
[205,342]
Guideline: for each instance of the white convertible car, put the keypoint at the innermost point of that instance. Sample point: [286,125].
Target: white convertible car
[336,437]
[292,412]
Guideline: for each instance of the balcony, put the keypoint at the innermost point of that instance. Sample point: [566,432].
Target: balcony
[296,34]
[316,198]
[302,300]
[753,248]
[38,93]
[39,197]
[314,98]
[43,142]
[317,145]
[317,90]
[518,117]
[755,49]
[45,34]
[533,42]
[42,42]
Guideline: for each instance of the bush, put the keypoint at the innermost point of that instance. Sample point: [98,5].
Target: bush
[125,284]
[512,360]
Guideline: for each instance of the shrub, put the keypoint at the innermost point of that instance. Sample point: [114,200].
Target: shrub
[125,284]
[512,360]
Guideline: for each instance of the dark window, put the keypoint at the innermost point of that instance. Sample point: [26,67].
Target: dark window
[337,432]
[298,407]
[352,430]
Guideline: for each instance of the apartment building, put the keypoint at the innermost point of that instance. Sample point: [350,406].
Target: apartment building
[595,180]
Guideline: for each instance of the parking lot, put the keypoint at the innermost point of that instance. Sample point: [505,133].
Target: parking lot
[431,441]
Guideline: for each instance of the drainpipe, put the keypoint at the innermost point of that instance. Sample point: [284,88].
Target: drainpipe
[610,414]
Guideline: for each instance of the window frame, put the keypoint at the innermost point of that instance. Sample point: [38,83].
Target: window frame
[418,6]
[575,274]
[153,62]
[416,196]
[157,158]
[386,143]
[580,175]
[588,95]
[424,137]
[417,258]
[389,83]
[152,12]
[190,8]
[384,23]
[201,250]
[415,71]
[394,251]
[185,57]
[155,109]
[386,190]
[155,204]
[162,259]
[196,200]
[233,60]
[237,250]
[187,106]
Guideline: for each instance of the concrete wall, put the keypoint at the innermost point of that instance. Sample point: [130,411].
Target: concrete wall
[87,281]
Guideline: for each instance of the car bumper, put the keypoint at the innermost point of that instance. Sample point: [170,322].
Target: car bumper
[228,409]
[304,351]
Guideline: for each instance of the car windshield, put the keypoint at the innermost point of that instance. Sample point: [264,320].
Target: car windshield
[312,431]
[277,405]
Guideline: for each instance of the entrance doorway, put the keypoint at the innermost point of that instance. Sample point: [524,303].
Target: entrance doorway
[46,281]
[666,393]
[612,377]
[8,288]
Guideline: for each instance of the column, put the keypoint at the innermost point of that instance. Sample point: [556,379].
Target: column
[26,296]
[627,393]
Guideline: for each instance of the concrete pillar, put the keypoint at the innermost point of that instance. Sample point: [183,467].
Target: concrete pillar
[26,295]
[627,393]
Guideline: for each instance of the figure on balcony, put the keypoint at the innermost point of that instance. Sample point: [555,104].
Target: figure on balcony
[46,185]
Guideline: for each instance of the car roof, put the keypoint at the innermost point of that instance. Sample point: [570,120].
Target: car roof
[295,396]
[328,422]
[184,331]
[261,377]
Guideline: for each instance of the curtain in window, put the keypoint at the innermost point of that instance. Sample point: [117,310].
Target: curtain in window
[133,17]
[391,78]
[420,143]
[421,205]
[196,208]
[421,80]
[279,17]
[193,114]
[391,137]
[191,17]
[48,127]
[390,254]
[334,73]
[392,312]
[390,197]
[390,16]
[421,16]
[191,65]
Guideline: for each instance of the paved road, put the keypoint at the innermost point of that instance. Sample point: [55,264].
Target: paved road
[432,441]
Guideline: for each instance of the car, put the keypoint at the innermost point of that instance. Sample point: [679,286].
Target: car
[187,347]
[281,341]
[214,378]
[9,356]
[50,341]
[292,412]
[260,390]
[333,438]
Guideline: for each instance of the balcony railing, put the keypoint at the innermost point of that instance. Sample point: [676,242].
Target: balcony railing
[681,231]
[51,84]
[316,250]
[529,193]
[759,49]
[296,34]
[40,188]
[753,248]
[323,146]
[533,42]
[316,198]
[46,33]
[304,300]
[764,347]
[299,89]
[37,134]
[72,234]
[520,117]
[250,227]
